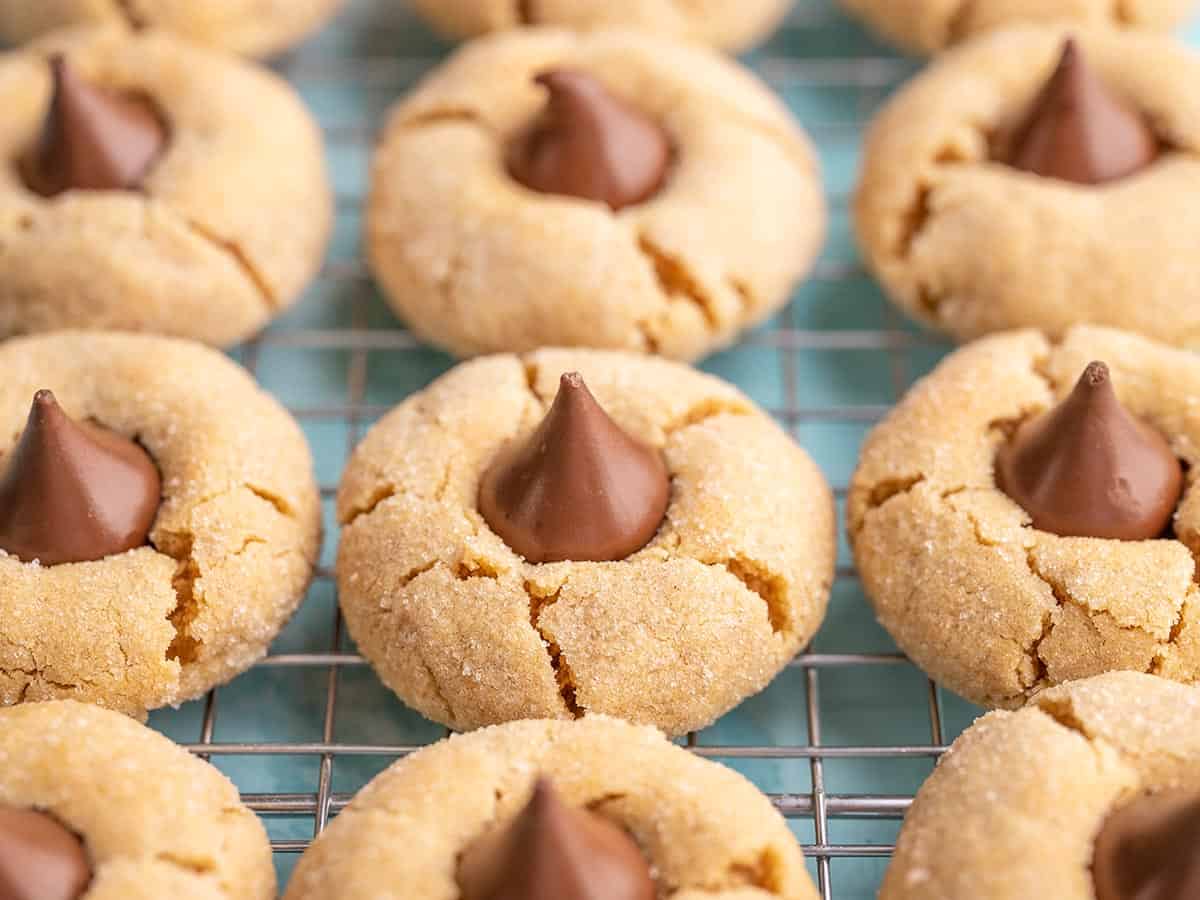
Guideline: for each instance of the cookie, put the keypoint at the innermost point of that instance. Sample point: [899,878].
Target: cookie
[704,829]
[733,580]
[90,799]
[1089,792]
[251,27]
[927,26]
[233,529]
[507,214]
[199,236]
[706,22]
[964,233]
[970,582]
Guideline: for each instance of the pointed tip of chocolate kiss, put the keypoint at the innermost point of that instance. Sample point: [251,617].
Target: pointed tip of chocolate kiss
[74,492]
[1149,849]
[579,488]
[39,858]
[92,138]
[588,143]
[552,851]
[1087,468]
[1078,130]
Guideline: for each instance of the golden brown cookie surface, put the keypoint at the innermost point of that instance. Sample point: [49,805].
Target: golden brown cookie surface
[251,27]
[231,550]
[155,821]
[1013,810]
[985,603]
[734,583]
[704,828]
[970,245]
[477,263]
[211,246]
[927,26]
[715,22]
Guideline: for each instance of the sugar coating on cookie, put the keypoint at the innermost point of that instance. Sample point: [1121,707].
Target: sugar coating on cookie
[927,26]
[231,550]
[731,26]
[155,821]
[210,246]
[250,27]
[970,245]
[706,830]
[1013,809]
[985,603]
[476,262]
[733,584]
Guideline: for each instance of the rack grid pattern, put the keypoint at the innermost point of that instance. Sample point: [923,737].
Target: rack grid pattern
[843,738]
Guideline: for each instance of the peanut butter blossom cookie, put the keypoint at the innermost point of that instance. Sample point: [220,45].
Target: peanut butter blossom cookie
[1027,515]
[556,811]
[159,520]
[1035,179]
[926,26]
[95,806]
[581,531]
[732,26]
[1092,792]
[611,190]
[254,27]
[146,189]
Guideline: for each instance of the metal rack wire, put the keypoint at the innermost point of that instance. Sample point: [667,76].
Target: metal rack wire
[872,77]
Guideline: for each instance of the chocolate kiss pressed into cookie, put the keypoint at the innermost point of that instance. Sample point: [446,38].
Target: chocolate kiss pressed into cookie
[1150,850]
[39,859]
[589,144]
[1079,131]
[1087,468]
[92,139]
[555,852]
[578,488]
[74,492]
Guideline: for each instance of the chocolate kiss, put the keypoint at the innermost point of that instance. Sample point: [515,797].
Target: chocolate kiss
[1087,468]
[590,144]
[92,139]
[39,859]
[1077,130]
[579,488]
[555,852]
[1150,850]
[74,492]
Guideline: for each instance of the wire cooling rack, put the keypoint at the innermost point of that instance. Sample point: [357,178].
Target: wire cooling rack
[846,734]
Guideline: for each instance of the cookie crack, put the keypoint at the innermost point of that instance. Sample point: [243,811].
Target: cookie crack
[196,865]
[134,19]
[539,602]
[436,686]
[706,409]
[523,10]
[440,116]
[770,587]
[676,281]
[240,258]
[956,25]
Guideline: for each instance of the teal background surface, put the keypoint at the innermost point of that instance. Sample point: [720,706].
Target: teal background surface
[828,367]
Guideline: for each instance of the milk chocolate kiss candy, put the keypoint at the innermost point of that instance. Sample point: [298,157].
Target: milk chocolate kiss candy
[1150,850]
[1079,131]
[1087,468]
[579,488]
[92,139]
[74,492]
[555,852]
[589,144]
[39,859]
